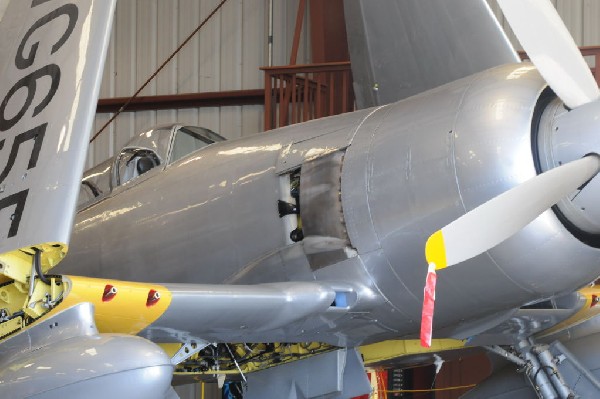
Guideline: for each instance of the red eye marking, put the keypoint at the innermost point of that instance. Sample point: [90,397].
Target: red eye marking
[153,297]
[109,293]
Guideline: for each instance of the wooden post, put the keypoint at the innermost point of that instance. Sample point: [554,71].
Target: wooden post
[297,31]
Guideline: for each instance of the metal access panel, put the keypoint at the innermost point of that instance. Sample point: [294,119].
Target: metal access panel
[337,374]
[575,374]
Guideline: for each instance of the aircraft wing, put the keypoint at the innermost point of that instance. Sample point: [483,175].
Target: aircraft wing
[208,312]
[52,56]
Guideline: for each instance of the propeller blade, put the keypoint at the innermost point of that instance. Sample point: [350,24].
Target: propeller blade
[496,220]
[552,50]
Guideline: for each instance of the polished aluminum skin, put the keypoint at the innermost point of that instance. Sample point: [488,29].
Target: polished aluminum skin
[580,340]
[369,187]
[215,208]
[435,157]
[406,169]
[245,313]
[64,356]
[565,135]
[337,374]
[400,48]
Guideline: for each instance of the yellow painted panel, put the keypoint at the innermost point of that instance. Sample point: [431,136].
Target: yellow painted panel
[589,310]
[11,298]
[16,265]
[170,348]
[392,349]
[10,326]
[124,312]
[435,250]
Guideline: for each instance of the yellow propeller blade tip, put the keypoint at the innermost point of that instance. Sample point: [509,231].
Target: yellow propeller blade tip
[435,250]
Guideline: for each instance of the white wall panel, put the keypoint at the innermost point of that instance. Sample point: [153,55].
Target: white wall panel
[125,68]
[571,12]
[591,22]
[254,25]
[188,59]
[582,18]
[225,55]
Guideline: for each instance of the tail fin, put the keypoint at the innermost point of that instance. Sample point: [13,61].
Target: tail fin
[401,48]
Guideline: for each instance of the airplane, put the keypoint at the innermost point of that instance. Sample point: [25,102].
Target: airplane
[273,258]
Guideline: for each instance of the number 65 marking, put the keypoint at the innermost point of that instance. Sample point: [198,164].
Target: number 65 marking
[36,134]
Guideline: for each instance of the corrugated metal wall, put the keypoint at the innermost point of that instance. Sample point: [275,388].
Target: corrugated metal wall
[581,17]
[225,55]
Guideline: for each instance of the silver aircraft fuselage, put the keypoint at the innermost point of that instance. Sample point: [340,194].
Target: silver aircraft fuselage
[374,184]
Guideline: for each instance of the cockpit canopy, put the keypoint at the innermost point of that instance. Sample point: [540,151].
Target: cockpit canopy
[152,150]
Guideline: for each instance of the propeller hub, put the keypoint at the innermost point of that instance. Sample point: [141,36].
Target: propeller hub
[564,136]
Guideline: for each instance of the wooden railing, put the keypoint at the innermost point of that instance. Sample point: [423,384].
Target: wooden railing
[586,51]
[298,93]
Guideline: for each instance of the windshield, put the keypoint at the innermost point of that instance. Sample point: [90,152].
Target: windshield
[191,138]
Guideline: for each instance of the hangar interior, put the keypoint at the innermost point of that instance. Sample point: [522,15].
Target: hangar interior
[228,78]
[228,54]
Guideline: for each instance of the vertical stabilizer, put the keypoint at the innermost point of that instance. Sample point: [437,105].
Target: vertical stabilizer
[400,48]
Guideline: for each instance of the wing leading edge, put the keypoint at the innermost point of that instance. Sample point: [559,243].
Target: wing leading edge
[210,312]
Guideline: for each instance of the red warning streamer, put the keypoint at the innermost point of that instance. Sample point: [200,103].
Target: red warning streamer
[428,306]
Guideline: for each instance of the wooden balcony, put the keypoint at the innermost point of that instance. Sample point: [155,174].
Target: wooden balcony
[299,93]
